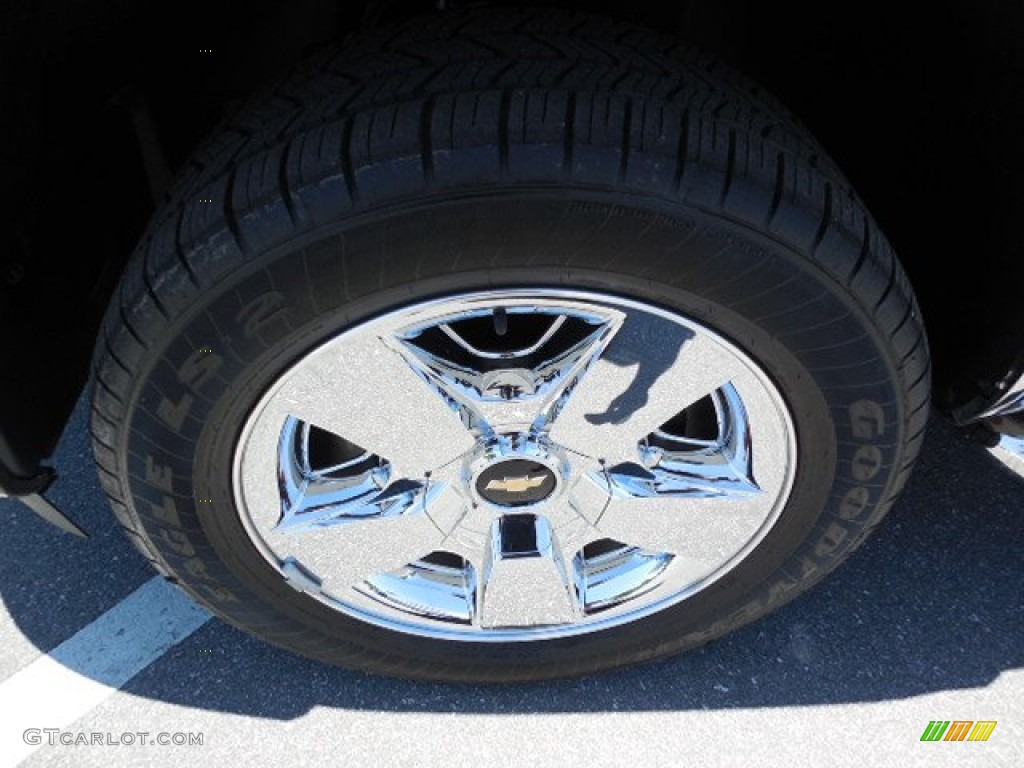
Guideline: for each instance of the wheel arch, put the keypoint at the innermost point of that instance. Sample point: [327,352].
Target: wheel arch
[863,91]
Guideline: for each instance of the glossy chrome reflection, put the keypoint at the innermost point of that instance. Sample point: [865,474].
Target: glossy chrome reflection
[556,323]
[1011,401]
[526,388]
[443,592]
[1008,402]
[609,578]
[672,465]
[525,583]
[514,465]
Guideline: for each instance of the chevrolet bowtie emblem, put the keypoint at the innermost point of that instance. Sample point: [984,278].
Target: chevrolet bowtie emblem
[515,484]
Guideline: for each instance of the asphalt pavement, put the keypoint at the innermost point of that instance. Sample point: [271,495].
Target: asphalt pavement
[925,622]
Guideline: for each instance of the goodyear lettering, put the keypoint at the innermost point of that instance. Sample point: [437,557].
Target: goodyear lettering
[261,312]
[867,419]
[835,534]
[854,502]
[867,461]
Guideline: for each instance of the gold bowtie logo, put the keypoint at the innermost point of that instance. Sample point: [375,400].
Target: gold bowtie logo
[515,484]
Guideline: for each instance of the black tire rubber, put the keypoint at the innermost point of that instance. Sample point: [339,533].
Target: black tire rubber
[489,149]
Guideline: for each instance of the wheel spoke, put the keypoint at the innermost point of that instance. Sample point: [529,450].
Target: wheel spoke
[705,530]
[650,371]
[572,517]
[366,393]
[700,501]
[522,387]
[722,467]
[525,580]
[569,520]
[349,546]
[322,505]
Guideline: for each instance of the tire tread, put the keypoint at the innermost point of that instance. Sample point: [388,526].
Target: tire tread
[730,149]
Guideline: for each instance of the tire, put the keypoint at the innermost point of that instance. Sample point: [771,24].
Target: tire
[532,165]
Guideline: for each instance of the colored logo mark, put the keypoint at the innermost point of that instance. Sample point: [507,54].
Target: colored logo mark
[958,730]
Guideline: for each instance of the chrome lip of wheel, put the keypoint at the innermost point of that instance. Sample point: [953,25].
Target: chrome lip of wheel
[657,452]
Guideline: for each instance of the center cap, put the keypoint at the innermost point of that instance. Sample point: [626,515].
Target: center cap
[515,483]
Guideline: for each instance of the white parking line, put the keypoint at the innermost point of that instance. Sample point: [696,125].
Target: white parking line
[1010,451]
[76,676]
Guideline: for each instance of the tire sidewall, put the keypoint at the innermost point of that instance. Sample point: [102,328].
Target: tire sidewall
[221,355]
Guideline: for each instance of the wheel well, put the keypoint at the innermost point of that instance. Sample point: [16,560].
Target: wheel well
[925,124]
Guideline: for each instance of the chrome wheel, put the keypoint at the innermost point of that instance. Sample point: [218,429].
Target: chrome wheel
[514,466]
